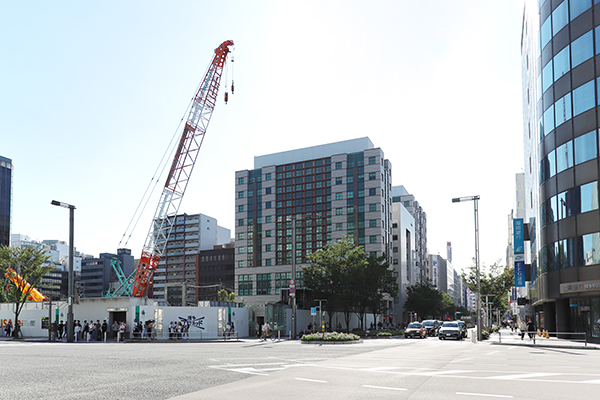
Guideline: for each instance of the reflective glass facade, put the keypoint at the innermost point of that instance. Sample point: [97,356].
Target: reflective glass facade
[561,94]
[6,177]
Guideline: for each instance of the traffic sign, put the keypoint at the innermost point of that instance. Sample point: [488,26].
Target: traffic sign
[292,283]
[292,290]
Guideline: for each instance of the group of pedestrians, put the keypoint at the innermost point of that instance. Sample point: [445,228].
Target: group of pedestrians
[179,330]
[143,330]
[89,331]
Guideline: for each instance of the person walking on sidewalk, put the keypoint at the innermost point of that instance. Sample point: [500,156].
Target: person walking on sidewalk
[530,328]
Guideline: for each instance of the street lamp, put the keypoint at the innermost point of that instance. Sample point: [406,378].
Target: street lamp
[475,199]
[70,323]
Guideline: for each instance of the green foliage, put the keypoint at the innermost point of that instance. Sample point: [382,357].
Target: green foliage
[350,281]
[425,299]
[224,295]
[30,263]
[497,282]
[330,337]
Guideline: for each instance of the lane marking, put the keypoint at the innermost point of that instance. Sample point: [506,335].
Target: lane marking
[525,376]
[382,387]
[310,380]
[485,395]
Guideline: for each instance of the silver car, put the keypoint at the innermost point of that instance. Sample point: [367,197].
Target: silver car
[450,330]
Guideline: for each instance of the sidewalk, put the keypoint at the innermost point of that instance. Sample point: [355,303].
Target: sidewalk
[513,338]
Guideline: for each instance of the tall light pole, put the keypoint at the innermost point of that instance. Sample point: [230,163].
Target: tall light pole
[70,323]
[475,199]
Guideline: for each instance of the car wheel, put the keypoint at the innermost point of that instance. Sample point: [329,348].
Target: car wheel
[440,338]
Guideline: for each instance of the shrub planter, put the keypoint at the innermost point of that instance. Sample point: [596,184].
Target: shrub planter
[330,338]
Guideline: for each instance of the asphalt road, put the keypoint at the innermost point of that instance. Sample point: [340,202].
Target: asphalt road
[375,369]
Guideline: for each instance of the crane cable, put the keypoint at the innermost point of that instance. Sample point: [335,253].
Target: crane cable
[155,178]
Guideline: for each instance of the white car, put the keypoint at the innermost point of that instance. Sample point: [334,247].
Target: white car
[450,330]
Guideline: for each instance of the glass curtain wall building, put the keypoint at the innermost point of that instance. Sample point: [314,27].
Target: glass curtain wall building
[295,202]
[6,168]
[561,69]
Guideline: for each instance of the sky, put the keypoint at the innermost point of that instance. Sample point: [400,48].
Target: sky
[93,92]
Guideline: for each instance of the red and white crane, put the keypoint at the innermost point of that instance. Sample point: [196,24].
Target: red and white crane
[184,159]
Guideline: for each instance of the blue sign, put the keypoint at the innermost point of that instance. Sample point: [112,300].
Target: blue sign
[519,273]
[518,236]
[514,294]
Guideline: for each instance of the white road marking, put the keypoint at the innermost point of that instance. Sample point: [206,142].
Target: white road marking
[485,395]
[524,376]
[382,387]
[310,380]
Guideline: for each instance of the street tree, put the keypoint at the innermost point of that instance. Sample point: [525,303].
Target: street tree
[496,282]
[330,275]
[31,264]
[225,295]
[374,283]
[424,299]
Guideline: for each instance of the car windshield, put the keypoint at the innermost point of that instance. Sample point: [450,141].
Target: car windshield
[428,323]
[450,325]
[461,323]
[415,325]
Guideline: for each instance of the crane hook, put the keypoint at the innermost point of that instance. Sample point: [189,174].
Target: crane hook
[226,97]
[232,86]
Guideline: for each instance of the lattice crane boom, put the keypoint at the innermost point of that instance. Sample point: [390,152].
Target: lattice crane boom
[185,157]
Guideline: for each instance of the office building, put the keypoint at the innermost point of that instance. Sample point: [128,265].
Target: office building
[401,195]
[560,109]
[6,178]
[215,272]
[176,276]
[97,274]
[403,256]
[295,202]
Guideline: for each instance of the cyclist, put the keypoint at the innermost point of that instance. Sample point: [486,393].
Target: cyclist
[266,328]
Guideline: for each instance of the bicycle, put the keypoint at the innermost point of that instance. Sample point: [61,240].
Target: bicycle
[266,336]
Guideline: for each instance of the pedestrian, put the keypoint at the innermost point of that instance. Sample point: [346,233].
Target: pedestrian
[77,330]
[61,328]
[122,331]
[115,329]
[8,328]
[530,328]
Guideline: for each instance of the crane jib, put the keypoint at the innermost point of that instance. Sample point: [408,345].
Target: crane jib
[181,169]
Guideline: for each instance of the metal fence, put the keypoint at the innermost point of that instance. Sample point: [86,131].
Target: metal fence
[543,336]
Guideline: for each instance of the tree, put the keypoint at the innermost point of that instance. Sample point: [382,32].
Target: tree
[329,275]
[376,281]
[224,295]
[497,283]
[424,299]
[30,263]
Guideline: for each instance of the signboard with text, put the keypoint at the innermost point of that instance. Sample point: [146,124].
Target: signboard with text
[519,271]
[518,236]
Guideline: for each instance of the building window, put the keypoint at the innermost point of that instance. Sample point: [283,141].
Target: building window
[588,197]
[241,222]
[268,190]
[267,177]
[372,192]
[241,236]
[372,239]
[372,176]
[263,283]
[268,262]
[241,250]
[583,98]
[338,181]
[339,226]
[339,196]
[241,194]
[372,207]
[267,247]
[338,165]
[587,249]
[582,49]
[240,264]
[372,160]
[241,208]
[268,205]
[245,285]
[268,233]
[282,280]
[372,223]
[394,249]
[585,147]
[241,182]
[339,211]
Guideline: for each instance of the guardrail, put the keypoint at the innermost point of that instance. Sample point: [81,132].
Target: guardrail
[184,336]
[545,335]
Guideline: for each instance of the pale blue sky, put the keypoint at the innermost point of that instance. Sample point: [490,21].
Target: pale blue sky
[92,92]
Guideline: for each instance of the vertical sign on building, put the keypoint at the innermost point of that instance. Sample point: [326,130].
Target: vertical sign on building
[519,249]
[449,251]
[518,236]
